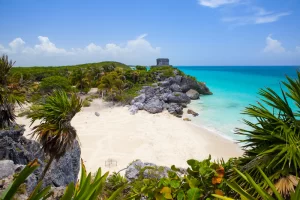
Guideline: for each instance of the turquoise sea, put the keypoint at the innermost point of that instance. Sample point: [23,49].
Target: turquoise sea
[234,88]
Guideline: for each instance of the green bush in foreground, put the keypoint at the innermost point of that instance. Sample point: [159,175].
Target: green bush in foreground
[271,194]
[273,141]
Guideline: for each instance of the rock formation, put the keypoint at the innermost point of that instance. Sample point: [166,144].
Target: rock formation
[169,93]
[16,151]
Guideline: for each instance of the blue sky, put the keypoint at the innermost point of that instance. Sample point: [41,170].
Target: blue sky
[189,32]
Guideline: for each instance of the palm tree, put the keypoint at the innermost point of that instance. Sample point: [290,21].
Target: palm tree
[55,132]
[8,97]
[80,79]
[273,141]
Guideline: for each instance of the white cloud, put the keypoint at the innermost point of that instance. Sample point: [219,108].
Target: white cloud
[268,18]
[46,46]
[273,46]
[216,3]
[259,17]
[136,51]
[17,44]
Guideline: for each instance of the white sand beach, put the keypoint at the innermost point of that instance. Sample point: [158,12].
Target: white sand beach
[160,138]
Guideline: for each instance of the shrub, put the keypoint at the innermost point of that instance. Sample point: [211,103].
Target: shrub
[138,67]
[86,103]
[52,83]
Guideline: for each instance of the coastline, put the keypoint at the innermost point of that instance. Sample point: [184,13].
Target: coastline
[157,138]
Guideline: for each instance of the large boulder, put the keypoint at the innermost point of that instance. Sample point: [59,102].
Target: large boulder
[193,94]
[178,97]
[154,106]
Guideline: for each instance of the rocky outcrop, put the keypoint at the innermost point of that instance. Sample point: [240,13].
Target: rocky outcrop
[14,132]
[169,93]
[138,169]
[193,94]
[20,150]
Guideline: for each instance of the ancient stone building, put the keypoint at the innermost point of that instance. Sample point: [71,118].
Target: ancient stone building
[162,61]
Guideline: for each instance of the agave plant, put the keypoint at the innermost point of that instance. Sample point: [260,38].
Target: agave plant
[37,194]
[88,188]
[273,141]
[55,132]
[271,194]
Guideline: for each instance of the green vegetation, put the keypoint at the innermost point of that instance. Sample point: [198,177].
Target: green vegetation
[9,94]
[53,83]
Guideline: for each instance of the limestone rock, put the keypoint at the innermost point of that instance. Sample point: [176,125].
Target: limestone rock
[7,168]
[178,97]
[154,106]
[193,94]
[22,151]
[175,88]
[133,109]
[175,109]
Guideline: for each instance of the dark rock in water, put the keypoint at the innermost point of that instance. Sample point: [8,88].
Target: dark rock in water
[175,109]
[193,94]
[178,97]
[175,88]
[7,168]
[21,151]
[154,106]
[189,111]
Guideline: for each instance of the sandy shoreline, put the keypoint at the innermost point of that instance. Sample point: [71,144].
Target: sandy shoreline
[161,138]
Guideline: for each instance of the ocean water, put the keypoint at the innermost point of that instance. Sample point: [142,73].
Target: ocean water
[234,88]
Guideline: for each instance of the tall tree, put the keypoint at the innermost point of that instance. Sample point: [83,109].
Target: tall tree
[55,132]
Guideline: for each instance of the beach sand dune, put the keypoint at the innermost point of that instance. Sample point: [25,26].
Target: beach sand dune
[116,138]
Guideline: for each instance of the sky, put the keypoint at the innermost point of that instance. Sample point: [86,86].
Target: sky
[188,32]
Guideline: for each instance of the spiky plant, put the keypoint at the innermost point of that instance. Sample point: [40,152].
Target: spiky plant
[273,141]
[55,132]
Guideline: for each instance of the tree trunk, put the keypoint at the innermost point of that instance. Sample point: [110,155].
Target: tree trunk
[46,168]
